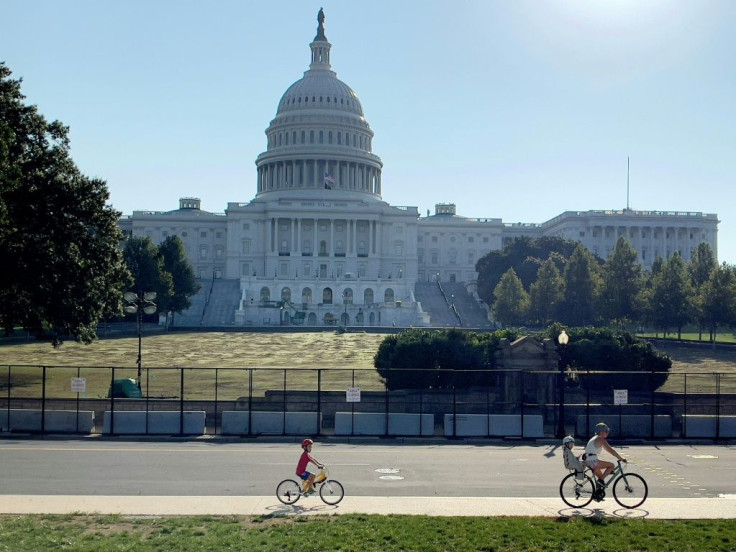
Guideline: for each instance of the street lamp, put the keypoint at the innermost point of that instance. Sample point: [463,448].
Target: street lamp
[563,339]
[139,304]
[345,302]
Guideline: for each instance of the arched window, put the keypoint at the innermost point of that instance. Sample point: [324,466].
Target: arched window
[347,296]
[307,296]
[286,294]
[321,137]
[329,135]
[327,296]
[368,296]
[388,297]
[265,294]
[303,136]
[311,137]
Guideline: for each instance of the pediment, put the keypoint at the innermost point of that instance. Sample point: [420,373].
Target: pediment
[526,346]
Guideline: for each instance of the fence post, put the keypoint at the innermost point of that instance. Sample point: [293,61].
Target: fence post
[718,406]
[522,403]
[352,407]
[43,401]
[250,401]
[112,402]
[283,421]
[683,433]
[181,402]
[651,386]
[217,373]
[386,407]
[454,410]
[319,400]
[76,427]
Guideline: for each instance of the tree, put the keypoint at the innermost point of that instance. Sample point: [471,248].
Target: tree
[62,269]
[702,263]
[545,294]
[176,263]
[147,267]
[525,256]
[619,298]
[581,287]
[718,299]
[670,301]
[512,302]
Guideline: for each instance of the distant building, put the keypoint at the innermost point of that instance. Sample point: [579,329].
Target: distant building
[318,246]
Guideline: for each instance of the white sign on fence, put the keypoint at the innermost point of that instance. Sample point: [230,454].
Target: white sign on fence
[353,394]
[79,385]
[620,396]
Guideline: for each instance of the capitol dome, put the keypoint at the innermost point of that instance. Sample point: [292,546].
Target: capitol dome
[319,138]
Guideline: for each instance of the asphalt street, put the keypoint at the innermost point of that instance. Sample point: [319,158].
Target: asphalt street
[227,468]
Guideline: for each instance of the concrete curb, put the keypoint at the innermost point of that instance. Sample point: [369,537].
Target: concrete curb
[655,508]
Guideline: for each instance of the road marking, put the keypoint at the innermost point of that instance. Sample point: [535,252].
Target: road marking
[703,456]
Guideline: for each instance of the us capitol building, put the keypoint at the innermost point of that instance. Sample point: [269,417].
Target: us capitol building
[318,246]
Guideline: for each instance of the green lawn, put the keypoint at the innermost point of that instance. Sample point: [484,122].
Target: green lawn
[359,533]
[267,354]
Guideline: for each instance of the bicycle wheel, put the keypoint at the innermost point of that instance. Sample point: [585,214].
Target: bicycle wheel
[577,492]
[331,492]
[630,490]
[288,491]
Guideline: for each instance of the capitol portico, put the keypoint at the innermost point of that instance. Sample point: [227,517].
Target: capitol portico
[318,245]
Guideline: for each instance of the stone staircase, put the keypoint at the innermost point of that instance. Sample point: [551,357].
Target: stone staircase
[450,305]
[214,305]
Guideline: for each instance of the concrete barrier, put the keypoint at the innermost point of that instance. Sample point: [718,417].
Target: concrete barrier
[55,421]
[285,423]
[164,422]
[374,423]
[509,425]
[235,422]
[494,425]
[631,425]
[466,425]
[695,425]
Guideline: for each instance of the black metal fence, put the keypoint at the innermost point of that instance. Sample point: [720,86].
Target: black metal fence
[54,399]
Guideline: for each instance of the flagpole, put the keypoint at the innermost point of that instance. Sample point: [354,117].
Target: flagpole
[627,182]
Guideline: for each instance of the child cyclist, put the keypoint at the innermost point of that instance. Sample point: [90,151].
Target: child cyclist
[301,467]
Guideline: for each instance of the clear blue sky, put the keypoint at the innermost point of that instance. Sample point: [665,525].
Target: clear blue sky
[516,110]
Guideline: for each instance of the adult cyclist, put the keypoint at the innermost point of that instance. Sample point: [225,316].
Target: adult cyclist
[596,444]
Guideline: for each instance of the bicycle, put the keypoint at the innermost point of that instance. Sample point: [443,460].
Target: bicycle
[578,489]
[330,491]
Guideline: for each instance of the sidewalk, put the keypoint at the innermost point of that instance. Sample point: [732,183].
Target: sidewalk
[654,508]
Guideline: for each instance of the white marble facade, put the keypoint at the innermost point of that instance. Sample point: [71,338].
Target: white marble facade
[318,240]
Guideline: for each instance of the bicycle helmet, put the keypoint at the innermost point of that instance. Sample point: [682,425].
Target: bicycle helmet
[569,442]
[307,442]
[600,428]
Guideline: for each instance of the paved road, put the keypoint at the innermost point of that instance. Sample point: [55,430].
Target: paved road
[252,468]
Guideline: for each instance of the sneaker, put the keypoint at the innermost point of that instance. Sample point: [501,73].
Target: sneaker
[601,484]
[310,492]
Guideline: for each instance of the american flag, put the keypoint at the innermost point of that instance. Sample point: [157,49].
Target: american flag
[329,178]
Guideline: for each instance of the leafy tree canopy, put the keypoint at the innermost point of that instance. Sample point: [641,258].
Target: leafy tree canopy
[62,270]
[524,255]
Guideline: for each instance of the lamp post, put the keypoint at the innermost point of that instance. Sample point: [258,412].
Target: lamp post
[345,313]
[138,304]
[563,339]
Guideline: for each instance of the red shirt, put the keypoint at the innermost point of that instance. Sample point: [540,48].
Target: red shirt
[304,459]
